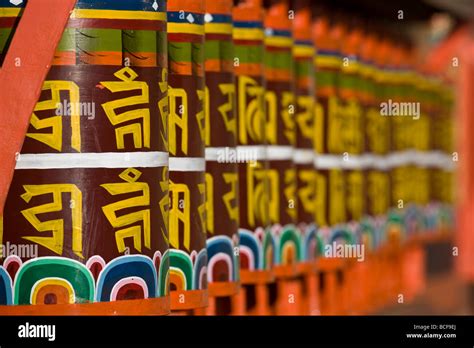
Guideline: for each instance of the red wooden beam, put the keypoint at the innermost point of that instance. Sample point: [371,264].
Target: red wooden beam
[22,75]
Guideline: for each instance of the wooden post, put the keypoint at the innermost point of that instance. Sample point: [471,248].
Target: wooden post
[26,63]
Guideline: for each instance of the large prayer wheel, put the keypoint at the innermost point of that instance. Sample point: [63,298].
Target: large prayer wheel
[88,206]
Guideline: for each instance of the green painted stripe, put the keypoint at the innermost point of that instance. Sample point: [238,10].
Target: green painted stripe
[219,49]
[351,82]
[186,52]
[4,37]
[279,60]
[249,54]
[99,40]
[135,41]
[326,78]
[162,42]
[68,40]
[304,68]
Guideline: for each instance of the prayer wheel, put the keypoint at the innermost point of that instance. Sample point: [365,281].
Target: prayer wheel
[88,205]
[303,55]
[377,181]
[223,270]
[187,133]
[257,248]
[376,145]
[281,141]
[330,211]
[330,190]
[281,137]
[350,114]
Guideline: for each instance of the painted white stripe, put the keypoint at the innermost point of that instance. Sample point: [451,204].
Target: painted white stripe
[213,153]
[430,159]
[187,164]
[279,152]
[380,162]
[414,157]
[368,160]
[328,161]
[398,159]
[435,159]
[92,160]
[303,156]
[353,162]
[421,159]
[234,155]
[258,151]
[448,163]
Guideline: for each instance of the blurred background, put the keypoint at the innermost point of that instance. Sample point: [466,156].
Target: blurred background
[441,33]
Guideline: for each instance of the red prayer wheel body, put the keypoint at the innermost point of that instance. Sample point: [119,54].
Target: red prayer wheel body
[280,131]
[187,128]
[90,191]
[256,244]
[222,200]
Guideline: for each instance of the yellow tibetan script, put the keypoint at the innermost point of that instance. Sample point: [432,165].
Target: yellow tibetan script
[55,243]
[139,219]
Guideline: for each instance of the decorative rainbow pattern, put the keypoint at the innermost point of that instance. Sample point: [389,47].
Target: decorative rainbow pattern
[446,216]
[127,277]
[321,244]
[59,280]
[181,270]
[395,227]
[220,250]
[164,274]
[289,246]
[200,271]
[53,280]
[257,250]
[355,228]
[323,234]
[12,264]
[368,233]
[342,234]
[413,219]
[5,287]
[380,225]
[431,217]
[311,244]
[95,264]
[186,272]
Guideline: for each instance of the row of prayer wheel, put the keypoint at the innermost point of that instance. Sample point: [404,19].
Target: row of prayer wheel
[196,156]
